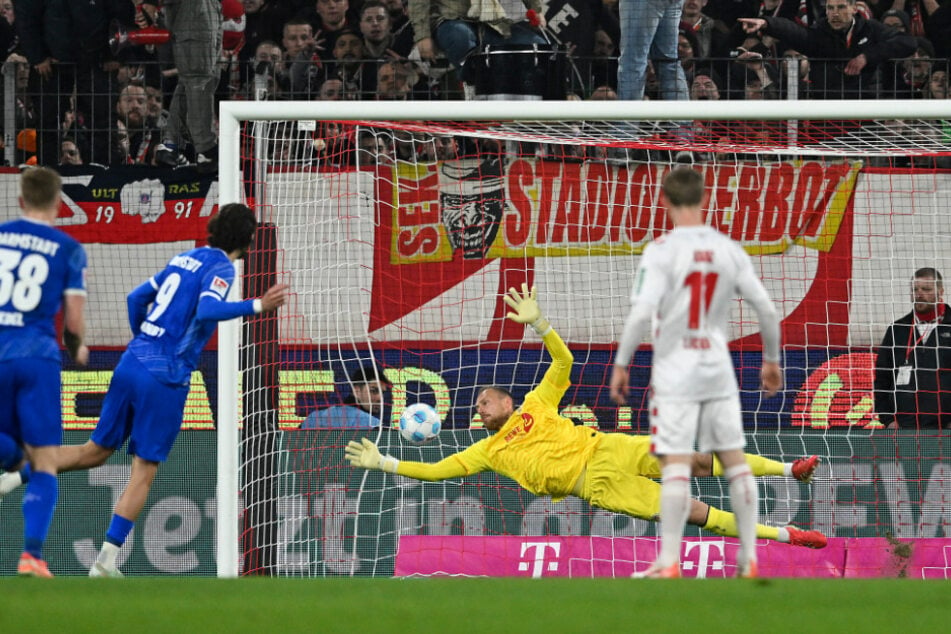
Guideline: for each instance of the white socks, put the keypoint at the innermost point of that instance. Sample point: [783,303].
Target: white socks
[744,498]
[674,511]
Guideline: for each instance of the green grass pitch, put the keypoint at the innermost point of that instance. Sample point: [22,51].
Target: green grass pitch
[454,606]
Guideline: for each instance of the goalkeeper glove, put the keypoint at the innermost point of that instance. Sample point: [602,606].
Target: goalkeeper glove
[526,309]
[365,455]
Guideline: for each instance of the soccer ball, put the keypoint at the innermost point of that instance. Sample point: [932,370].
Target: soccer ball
[419,423]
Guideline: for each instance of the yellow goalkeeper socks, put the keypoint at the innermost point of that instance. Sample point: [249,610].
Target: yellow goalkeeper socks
[759,465]
[724,524]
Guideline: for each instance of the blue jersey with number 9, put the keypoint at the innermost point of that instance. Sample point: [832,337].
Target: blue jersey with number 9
[169,335]
[38,265]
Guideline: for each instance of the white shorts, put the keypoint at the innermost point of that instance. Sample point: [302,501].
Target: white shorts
[715,425]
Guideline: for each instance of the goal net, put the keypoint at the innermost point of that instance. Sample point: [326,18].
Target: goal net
[400,225]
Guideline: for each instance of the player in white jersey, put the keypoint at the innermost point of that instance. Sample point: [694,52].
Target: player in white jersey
[686,282]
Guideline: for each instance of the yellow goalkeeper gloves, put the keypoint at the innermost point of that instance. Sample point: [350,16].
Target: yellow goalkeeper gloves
[526,309]
[365,455]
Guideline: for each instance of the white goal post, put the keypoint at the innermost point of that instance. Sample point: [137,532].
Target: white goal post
[632,125]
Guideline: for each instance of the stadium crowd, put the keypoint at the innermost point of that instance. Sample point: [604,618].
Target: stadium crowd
[130,82]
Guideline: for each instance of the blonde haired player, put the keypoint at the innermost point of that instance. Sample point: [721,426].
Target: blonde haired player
[548,454]
[687,281]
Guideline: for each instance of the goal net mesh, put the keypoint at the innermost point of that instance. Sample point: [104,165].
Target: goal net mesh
[398,239]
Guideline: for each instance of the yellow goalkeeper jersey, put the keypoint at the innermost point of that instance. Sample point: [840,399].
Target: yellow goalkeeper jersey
[542,451]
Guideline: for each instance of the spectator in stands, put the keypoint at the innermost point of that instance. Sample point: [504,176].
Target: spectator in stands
[376,28]
[688,52]
[702,26]
[297,38]
[195,26]
[69,152]
[908,78]
[328,19]
[845,48]
[333,143]
[575,24]
[394,81]
[9,42]
[916,15]
[649,35]
[803,82]
[141,135]
[268,73]
[601,68]
[348,64]
[750,69]
[264,21]
[603,93]
[937,87]
[897,19]
[938,26]
[704,88]
[459,27]
[303,58]
[156,106]
[757,87]
[441,147]
[913,362]
[363,409]
[375,148]
[66,43]
[331,89]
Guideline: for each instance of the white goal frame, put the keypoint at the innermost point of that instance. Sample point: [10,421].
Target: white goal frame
[233,113]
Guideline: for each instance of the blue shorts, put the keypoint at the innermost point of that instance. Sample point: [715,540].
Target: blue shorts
[30,409]
[140,408]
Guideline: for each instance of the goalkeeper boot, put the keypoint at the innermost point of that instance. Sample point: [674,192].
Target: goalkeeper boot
[804,468]
[806,539]
[30,566]
[99,570]
[667,572]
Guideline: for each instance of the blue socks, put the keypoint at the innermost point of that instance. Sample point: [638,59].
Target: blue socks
[10,453]
[39,502]
[119,529]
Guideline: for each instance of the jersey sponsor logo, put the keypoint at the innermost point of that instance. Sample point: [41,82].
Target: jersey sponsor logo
[527,422]
[219,286]
[539,557]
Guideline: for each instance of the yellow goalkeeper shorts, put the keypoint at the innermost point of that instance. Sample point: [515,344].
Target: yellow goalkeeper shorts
[618,477]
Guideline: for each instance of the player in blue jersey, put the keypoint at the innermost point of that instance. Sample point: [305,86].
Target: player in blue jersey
[172,316]
[41,269]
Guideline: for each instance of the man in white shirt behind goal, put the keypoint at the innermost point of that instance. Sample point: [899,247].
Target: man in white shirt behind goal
[687,281]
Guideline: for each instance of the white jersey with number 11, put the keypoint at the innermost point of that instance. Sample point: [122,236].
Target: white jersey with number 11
[690,277]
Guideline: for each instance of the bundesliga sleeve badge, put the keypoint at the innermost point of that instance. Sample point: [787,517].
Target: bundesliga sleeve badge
[219,286]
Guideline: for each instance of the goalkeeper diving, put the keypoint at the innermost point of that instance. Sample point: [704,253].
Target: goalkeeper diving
[548,454]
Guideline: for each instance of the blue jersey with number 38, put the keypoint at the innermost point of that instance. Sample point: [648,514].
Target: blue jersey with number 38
[38,265]
[174,314]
